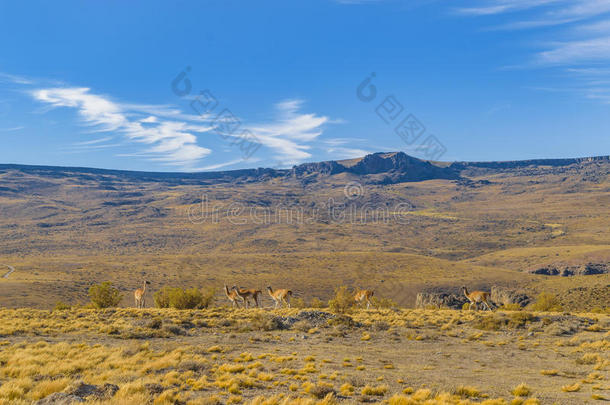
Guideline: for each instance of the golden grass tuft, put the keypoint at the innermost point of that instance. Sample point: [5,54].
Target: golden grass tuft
[521,390]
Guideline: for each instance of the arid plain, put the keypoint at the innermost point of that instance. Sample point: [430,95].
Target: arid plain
[387,222]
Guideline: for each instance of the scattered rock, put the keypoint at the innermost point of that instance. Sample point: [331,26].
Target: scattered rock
[154,388]
[426,300]
[59,398]
[316,318]
[313,318]
[565,270]
[79,392]
[507,296]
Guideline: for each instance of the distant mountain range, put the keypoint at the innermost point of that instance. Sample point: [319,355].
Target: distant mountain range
[375,168]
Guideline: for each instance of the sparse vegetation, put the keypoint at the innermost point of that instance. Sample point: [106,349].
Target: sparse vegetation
[179,298]
[104,295]
[187,351]
[546,302]
[342,302]
[522,390]
[237,356]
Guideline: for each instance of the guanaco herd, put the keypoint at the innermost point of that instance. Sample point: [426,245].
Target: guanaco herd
[237,295]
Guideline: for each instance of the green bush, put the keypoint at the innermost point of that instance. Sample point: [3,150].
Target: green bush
[104,295]
[546,303]
[161,297]
[185,299]
[342,302]
[179,298]
[207,299]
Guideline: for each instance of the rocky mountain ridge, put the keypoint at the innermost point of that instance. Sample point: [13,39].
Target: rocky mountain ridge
[376,168]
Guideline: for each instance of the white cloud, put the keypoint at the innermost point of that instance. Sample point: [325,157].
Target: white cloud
[348,153]
[5,77]
[11,129]
[596,49]
[170,135]
[583,26]
[291,133]
[225,164]
[504,6]
[171,142]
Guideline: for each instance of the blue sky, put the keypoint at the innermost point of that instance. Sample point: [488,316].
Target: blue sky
[274,83]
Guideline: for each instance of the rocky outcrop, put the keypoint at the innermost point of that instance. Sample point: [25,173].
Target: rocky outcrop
[380,168]
[507,296]
[572,270]
[439,300]
[399,167]
[513,164]
[80,392]
[325,168]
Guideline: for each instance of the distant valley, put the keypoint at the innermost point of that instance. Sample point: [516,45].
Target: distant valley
[386,221]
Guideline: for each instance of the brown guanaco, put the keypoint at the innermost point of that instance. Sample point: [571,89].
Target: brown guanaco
[246,293]
[139,295]
[233,296]
[362,296]
[476,297]
[280,296]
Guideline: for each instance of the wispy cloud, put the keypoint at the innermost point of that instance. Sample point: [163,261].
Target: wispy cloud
[291,132]
[583,50]
[224,164]
[171,142]
[576,52]
[168,133]
[11,129]
[8,78]
[503,6]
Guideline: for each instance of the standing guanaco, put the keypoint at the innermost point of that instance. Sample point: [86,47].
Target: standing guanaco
[280,296]
[139,295]
[233,296]
[362,296]
[246,293]
[476,297]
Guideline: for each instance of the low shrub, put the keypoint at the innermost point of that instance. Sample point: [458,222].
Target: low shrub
[179,298]
[546,303]
[104,295]
[266,322]
[522,390]
[342,302]
[317,303]
[380,302]
[61,306]
[298,303]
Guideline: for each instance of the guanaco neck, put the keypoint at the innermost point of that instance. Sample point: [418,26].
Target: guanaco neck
[465,290]
[270,291]
[227,291]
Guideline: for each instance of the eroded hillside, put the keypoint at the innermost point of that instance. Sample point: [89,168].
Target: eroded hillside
[387,221]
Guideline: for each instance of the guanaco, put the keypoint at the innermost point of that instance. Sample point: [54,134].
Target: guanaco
[476,297]
[139,295]
[280,296]
[233,296]
[246,293]
[362,296]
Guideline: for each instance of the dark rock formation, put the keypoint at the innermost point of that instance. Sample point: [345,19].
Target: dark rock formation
[439,300]
[506,296]
[572,270]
